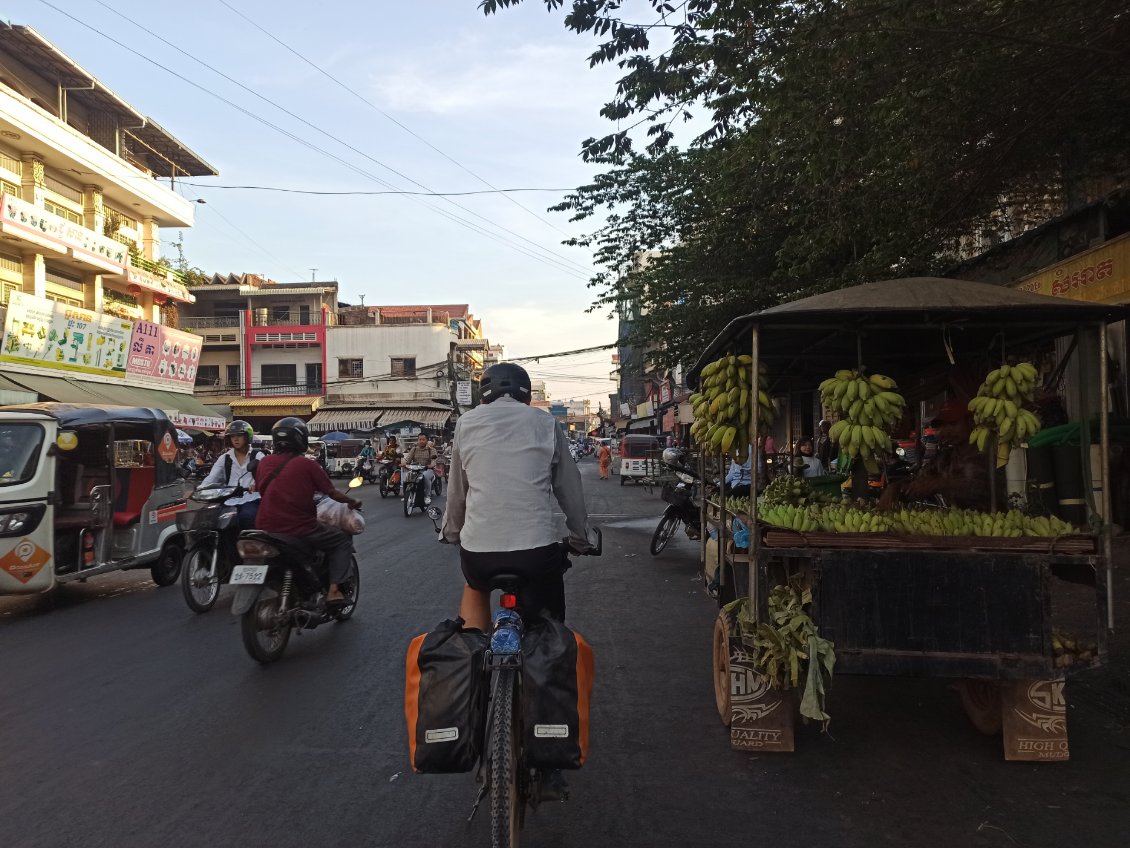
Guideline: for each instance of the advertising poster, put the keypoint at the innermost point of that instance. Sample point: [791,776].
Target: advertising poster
[64,338]
[163,354]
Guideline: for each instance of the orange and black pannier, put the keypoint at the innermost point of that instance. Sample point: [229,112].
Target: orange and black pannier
[445,699]
[557,677]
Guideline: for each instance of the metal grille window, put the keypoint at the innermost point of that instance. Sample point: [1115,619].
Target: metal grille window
[403,366]
[351,368]
[6,290]
[66,301]
[10,262]
[208,375]
[279,375]
[9,188]
[62,212]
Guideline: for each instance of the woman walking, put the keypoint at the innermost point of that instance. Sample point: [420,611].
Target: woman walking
[605,460]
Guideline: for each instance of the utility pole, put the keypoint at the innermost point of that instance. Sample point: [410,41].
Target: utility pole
[451,378]
[313,275]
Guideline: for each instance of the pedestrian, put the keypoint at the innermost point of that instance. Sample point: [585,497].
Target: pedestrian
[605,460]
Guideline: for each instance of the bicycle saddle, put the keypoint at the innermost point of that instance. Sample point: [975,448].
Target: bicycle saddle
[507,582]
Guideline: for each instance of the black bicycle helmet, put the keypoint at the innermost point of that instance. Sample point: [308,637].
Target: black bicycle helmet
[505,378]
[291,435]
[240,428]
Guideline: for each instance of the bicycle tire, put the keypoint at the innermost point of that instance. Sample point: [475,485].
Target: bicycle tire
[505,802]
[666,528]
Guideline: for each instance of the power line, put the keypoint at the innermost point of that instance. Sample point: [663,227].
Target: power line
[412,193]
[560,258]
[381,112]
[235,227]
[560,266]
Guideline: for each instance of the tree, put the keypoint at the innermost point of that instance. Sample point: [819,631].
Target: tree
[848,140]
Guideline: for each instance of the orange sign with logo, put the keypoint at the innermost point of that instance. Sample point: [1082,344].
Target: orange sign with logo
[167,448]
[25,560]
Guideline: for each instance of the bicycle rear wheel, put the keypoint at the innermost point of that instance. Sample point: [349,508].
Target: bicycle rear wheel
[505,799]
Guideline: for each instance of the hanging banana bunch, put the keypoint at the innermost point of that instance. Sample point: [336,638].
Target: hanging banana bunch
[868,408]
[722,407]
[998,409]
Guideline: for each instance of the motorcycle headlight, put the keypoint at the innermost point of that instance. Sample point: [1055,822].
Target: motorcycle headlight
[254,549]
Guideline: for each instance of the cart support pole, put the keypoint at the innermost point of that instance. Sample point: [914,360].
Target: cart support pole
[754,466]
[1104,451]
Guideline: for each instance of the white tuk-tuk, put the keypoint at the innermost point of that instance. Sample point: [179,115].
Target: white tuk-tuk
[84,490]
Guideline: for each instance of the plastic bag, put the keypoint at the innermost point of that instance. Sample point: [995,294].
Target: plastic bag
[340,516]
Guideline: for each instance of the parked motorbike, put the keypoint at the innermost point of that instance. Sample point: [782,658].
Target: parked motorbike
[281,588]
[413,490]
[681,506]
[210,535]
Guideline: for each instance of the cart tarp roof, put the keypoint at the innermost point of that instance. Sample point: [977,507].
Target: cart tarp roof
[86,414]
[904,321]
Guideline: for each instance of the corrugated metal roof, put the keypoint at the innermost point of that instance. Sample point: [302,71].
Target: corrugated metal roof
[309,402]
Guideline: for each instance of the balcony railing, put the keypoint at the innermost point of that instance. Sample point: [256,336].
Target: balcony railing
[257,389]
[190,323]
[314,319]
[156,268]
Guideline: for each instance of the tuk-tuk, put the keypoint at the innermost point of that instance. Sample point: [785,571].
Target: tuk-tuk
[87,489]
[344,462]
[635,452]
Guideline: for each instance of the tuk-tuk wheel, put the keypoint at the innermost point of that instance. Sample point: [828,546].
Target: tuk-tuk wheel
[166,570]
[723,628]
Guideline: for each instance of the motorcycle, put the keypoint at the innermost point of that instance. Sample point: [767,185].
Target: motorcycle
[413,493]
[681,507]
[281,588]
[210,535]
[388,477]
[437,484]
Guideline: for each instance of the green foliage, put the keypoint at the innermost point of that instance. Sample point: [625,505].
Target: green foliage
[847,140]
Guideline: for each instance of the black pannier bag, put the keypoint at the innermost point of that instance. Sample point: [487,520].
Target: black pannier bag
[445,699]
[557,678]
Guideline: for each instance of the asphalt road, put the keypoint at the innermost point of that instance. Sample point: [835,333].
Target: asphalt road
[125,720]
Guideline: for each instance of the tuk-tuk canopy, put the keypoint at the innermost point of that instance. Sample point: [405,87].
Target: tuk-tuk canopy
[896,324]
[88,415]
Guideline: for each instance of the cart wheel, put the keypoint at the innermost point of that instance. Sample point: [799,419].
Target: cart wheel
[981,700]
[723,627]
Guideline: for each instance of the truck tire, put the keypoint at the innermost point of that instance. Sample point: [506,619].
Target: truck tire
[723,627]
[166,570]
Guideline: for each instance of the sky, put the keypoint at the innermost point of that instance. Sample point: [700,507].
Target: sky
[506,98]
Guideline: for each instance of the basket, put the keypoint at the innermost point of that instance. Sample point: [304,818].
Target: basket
[674,495]
[199,519]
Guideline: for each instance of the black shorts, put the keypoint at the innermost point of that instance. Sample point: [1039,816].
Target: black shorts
[541,569]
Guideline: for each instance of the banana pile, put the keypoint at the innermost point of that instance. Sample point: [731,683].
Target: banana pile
[853,517]
[868,408]
[1070,650]
[998,409]
[722,407]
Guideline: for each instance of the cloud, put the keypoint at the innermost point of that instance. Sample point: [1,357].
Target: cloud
[474,77]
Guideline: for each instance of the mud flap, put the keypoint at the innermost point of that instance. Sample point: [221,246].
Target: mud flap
[245,597]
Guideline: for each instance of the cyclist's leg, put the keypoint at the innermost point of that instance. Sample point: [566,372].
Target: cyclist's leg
[474,608]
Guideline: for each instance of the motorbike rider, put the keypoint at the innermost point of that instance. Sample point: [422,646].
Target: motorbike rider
[422,453]
[236,467]
[508,464]
[366,460]
[288,481]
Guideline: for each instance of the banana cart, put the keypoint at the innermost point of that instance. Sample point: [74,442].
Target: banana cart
[978,609]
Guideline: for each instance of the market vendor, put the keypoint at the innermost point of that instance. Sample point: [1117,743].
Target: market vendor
[958,472]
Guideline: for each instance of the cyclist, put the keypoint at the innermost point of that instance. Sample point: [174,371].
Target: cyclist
[236,467]
[288,481]
[508,463]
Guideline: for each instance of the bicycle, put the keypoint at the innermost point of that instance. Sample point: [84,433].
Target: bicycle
[502,770]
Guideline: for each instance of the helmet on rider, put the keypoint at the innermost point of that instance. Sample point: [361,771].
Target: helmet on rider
[239,428]
[672,456]
[290,435]
[505,378]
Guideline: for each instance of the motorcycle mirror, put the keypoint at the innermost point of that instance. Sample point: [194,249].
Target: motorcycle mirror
[434,513]
[357,482]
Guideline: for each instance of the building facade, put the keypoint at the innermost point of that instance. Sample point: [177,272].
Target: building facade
[264,345]
[87,301]
[400,367]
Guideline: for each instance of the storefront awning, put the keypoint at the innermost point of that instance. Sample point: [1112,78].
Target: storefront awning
[279,407]
[186,411]
[430,418]
[12,394]
[62,390]
[328,420]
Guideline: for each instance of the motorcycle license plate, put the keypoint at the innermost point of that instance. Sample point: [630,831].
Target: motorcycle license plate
[248,575]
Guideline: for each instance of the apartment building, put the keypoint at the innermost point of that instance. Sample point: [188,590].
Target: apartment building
[400,367]
[84,294]
[264,345]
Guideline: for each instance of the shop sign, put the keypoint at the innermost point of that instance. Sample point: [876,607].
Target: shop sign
[165,355]
[684,413]
[198,422]
[64,338]
[625,411]
[669,421]
[463,392]
[1100,275]
[158,285]
[665,392]
[31,223]
[645,409]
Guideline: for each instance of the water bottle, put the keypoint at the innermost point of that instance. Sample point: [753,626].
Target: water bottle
[506,637]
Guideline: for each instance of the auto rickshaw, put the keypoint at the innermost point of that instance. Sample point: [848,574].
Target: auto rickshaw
[87,489]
